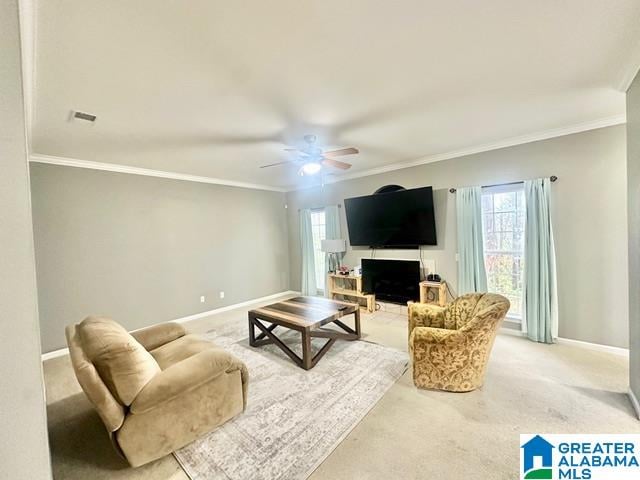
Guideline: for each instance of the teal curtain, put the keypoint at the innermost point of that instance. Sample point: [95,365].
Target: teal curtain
[332,232]
[472,276]
[308,278]
[540,293]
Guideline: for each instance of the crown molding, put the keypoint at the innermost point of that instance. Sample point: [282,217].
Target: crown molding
[486,147]
[630,70]
[509,142]
[112,167]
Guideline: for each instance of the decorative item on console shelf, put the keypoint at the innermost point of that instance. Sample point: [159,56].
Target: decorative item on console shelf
[343,270]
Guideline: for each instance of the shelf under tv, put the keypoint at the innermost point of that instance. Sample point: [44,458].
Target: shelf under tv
[350,286]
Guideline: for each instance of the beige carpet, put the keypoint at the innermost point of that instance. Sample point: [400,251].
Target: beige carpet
[410,433]
[294,418]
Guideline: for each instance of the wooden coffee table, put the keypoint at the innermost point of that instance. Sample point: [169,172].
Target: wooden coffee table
[306,315]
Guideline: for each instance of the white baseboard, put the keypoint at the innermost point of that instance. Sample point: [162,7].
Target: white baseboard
[235,305]
[55,354]
[634,402]
[594,346]
[65,351]
[576,343]
[511,331]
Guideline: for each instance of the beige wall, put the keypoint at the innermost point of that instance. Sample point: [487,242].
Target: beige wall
[589,208]
[143,249]
[24,452]
[633,173]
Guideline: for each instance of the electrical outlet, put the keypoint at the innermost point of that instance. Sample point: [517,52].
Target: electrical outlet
[221,294]
[202,299]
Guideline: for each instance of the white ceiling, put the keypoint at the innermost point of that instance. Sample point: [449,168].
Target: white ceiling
[217,88]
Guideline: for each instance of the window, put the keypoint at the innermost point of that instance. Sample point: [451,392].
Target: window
[503,220]
[319,233]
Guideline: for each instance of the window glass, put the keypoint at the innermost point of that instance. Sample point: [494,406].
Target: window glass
[503,219]
[318,231]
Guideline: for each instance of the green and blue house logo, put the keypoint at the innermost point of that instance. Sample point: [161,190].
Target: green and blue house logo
[537,459]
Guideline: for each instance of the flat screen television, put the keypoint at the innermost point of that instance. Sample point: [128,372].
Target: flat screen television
[394,281]
[402,219]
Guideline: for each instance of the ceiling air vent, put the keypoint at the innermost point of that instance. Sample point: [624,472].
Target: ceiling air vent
[84,116]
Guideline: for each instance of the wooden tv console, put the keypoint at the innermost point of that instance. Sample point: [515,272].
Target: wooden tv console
[350,286]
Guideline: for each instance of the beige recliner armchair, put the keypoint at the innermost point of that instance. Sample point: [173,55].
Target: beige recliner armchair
[156,389]
[450,345]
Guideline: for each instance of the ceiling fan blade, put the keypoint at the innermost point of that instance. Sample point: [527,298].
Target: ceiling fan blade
[342,151]
[336,163]
[275,164]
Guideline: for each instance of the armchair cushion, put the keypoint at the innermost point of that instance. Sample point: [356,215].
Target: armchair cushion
[180,349]
[123,364]
[157,335]
[182,377]
[425,315]
[460,311]
[434,335]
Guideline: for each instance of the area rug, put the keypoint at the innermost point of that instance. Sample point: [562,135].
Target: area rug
[294,418]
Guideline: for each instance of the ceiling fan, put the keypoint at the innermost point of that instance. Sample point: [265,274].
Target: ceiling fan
[312,158]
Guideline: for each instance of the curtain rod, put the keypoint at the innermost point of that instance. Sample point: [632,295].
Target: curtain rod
[553,178]
[318,208]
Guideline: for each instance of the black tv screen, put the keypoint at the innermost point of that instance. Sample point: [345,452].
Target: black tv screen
[398,219]
[393,281]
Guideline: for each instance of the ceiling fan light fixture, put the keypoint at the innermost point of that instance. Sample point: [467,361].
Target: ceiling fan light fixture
[311,159]
[311,168]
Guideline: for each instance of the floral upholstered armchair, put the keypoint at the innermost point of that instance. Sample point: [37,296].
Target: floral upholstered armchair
[450,345]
